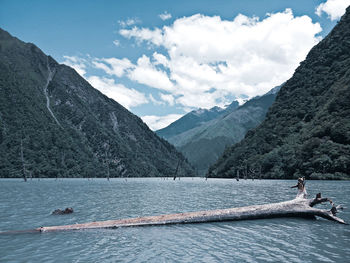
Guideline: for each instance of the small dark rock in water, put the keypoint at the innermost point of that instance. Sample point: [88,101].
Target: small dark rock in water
[68,210]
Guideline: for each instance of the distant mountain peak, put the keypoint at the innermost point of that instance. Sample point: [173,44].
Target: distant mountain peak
[201,111]
[274,90]
[202,137]
[198,111]
[233,105]
[216,108]
[195,118]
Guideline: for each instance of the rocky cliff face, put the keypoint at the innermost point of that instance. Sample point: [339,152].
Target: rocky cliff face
[307,130]
[62,126]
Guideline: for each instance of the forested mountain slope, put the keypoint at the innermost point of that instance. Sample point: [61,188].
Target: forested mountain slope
[53,123]
[307,130]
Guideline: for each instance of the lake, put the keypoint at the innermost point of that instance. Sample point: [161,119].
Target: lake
[29,205]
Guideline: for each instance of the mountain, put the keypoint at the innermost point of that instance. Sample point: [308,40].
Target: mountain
[53,123]
[193,119]
[307,130]
[204,144]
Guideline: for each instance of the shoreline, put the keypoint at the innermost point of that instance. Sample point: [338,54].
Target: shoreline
[184,177]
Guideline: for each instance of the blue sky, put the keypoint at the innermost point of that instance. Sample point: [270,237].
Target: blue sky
[161,59]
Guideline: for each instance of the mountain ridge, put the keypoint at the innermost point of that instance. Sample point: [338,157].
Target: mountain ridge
[193,119]
[66,128]
[203,144]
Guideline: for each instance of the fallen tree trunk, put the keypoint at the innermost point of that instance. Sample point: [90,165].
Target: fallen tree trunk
[295,208]
[298,207]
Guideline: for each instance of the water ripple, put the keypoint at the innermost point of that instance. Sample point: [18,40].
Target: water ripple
[29,205]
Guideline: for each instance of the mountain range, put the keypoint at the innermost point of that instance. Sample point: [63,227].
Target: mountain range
[307,129]
[194,119]
[53,123]
[202,135]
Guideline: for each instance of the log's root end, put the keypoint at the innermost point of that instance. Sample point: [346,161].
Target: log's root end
[327,214]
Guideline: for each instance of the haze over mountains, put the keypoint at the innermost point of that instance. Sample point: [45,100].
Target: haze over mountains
[307,130]
[202,135]
[53,123]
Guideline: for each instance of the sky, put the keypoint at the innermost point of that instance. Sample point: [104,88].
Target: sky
[162,59]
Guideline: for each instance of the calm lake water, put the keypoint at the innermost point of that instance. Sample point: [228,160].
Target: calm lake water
[29,205]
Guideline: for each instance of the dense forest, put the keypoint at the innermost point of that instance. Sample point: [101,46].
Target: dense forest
[307,130]
[53,123]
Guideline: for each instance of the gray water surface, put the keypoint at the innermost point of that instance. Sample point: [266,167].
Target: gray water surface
[29,205]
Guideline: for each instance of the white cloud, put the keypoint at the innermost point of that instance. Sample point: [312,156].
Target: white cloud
[168,98]
[159,122]
[165,16]
[160,59]
[128,22]
[126,97]
[143,34]
[333,8]
[154,101]
[146,73]
[115,66]
[116,42]
[143,72]
[207,58]
[79,64]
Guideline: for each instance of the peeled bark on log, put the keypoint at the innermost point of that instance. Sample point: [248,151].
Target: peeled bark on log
[298,207]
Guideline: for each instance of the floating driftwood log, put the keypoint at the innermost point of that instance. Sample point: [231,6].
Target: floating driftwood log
[298,207]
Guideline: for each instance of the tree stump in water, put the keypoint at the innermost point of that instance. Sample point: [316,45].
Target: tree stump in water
[301,188]
[66,211]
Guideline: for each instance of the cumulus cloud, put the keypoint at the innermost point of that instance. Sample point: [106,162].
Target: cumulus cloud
[154,36]
[165,16]
[203,61]
[207,58]
[160,59]
[333,8]
[158,122]
[79,64]
[126,97]
[113,66]
[116,42]
[144,72]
